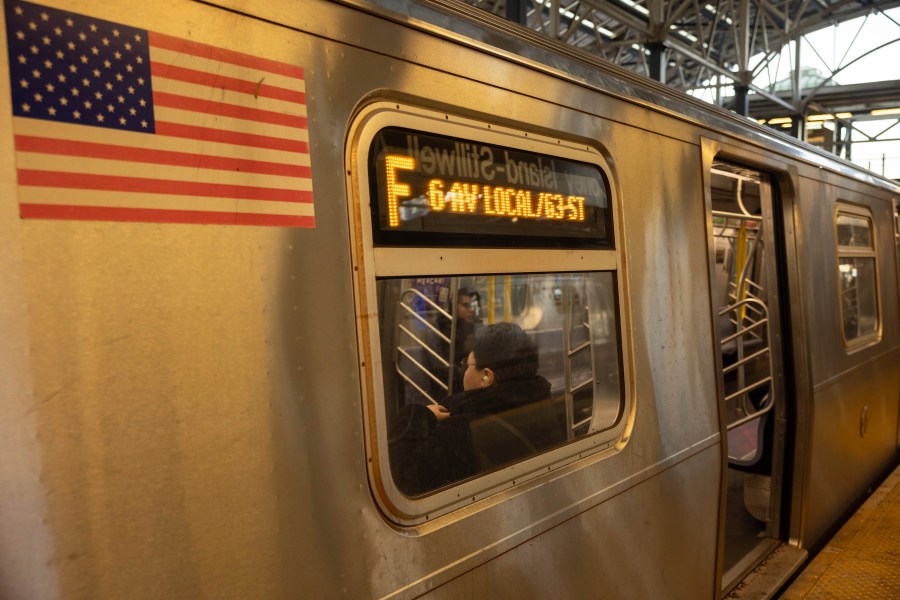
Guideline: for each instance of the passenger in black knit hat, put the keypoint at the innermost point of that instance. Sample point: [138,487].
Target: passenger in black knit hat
[485,426]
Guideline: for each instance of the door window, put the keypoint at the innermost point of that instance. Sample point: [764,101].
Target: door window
[857,275]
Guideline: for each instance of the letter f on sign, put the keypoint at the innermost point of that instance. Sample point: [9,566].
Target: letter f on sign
[392,163]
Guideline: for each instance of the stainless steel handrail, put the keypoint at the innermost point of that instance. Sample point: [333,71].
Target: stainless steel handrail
[571,388]
[742,360]
[409,380]
[579,348]
[748,388]
[770,404]
[577,388]
[746,330]
[422,319]
[739,216]
[422,367]
[419,342]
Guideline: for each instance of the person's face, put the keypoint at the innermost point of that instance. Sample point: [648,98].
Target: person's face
[465,309]
[472,377]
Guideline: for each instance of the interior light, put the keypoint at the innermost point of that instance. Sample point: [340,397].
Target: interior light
[779,120]
[885,111]
[636,6]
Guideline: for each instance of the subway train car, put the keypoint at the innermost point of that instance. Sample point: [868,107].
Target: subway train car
[397,299]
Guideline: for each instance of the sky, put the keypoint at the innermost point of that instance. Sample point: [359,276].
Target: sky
[847,47]
[846,43]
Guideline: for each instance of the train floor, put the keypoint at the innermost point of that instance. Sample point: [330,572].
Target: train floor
[862,560]
[744,533]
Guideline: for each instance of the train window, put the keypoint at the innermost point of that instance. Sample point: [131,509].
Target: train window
[896,211]
[854,231]
[488,291]
[857,275]
[515,384]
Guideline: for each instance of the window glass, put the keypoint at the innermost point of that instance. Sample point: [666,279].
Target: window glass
[853,231]
[858,303]
[857,274]
[518,300]
[521,364]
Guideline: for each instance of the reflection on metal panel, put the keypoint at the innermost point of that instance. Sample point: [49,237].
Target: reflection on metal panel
[854,436]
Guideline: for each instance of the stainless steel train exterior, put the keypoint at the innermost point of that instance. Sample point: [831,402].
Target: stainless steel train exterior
[200,408]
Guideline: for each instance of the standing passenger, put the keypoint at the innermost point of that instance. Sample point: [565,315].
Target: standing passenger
[465,320]
[466,309]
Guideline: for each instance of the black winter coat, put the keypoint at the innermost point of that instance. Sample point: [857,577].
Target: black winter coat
[426,454]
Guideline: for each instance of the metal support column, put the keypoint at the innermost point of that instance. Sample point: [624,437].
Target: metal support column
[849,144]
[796,80]
[843,136]
[516,11]
[554,19]
[838,137]
[798,126]
[741,100]
[657,61]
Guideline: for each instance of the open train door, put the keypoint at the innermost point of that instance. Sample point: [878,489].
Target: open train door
[743,212]
[896,212]
[896,206]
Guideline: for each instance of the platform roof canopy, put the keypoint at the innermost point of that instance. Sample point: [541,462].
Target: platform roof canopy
[715,45]
[743,55]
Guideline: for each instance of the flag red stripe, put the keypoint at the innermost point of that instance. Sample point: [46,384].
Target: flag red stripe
[155,215]
[28,143]
[254,88]
[175,44]
[113,183]
[230,137]
[227,110]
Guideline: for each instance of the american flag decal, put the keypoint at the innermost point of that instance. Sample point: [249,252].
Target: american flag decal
[116,123]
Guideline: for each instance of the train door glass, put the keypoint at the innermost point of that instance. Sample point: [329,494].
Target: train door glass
[896,207]
[896,213]
[751,396]
[858,276]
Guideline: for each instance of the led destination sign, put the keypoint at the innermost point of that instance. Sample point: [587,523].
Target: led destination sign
[448,187]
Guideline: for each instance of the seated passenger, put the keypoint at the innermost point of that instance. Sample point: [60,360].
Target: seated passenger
[432,446]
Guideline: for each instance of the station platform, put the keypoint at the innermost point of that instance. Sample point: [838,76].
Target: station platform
[862,561]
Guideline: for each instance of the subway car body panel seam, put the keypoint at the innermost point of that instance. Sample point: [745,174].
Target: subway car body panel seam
[533,530]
